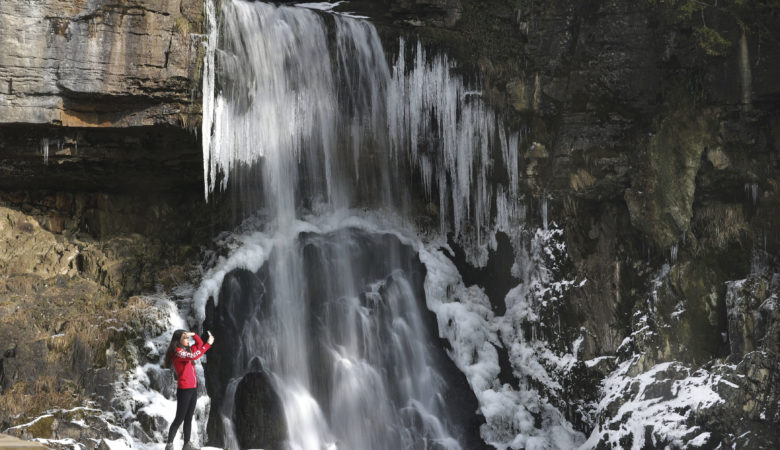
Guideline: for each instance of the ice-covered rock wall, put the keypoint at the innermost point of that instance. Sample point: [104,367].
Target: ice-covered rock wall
[615,105]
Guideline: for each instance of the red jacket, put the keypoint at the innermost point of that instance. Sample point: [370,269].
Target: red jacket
[184,363]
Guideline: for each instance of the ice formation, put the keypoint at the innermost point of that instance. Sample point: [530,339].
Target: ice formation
[332,129]
[301,109]
[357,129]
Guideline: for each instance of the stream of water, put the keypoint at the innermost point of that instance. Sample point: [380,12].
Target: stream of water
[304,117]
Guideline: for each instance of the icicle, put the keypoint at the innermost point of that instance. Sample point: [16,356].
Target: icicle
[45,150]
[751,189]
[304,102]
[208,98]
[431,112]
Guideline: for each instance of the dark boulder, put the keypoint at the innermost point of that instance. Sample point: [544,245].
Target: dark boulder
[258,415]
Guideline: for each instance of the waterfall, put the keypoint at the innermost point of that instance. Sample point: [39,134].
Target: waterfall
[335,325]
[208,91]
[300,101]
[288,104]
[324,336]
[331,300]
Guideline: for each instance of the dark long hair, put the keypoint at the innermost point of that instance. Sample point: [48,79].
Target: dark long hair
[172,348]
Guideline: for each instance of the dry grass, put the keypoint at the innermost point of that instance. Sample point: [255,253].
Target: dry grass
[114,327]
[719,225]
[25,401]
[80,333]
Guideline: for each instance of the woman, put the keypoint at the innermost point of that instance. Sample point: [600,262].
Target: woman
[183,357]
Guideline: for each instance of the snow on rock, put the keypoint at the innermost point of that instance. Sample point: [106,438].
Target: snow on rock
[513,414]
[657,406]
[145,399]
[464,318]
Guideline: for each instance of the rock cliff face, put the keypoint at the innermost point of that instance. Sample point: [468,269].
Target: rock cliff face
[99,167]
[99,64]
[654,147]
[71,71]
[658,156]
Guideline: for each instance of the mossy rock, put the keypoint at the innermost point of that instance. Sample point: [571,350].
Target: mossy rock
[660,200]
[43,428]
[698,333]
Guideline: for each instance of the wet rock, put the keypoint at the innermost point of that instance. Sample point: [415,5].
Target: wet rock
[495,277]
[538,150]
[718,158]
[242,296]
[259,415]
[152,425]
[600,83]
[581,180]
[753,317]
[524,95]
[84,425]
[137,431]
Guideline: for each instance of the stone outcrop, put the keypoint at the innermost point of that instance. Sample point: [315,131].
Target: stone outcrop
[99,64]
[100,95]
[259,415]
[99,164]
[659,160]
[64,328]
[82,424]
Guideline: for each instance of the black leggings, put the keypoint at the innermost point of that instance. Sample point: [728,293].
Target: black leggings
[185,408]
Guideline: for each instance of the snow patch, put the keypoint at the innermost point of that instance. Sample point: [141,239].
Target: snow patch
[664,397]
[466,320]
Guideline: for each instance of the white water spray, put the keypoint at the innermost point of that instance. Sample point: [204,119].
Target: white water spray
[316,112]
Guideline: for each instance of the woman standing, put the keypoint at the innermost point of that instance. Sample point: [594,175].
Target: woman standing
[182,357]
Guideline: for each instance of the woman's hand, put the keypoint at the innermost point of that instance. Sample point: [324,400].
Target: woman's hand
[211,337]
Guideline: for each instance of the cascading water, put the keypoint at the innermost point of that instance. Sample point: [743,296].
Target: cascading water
[345,350]
[325,340]
[326,330]
[333,126]
[288,104]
